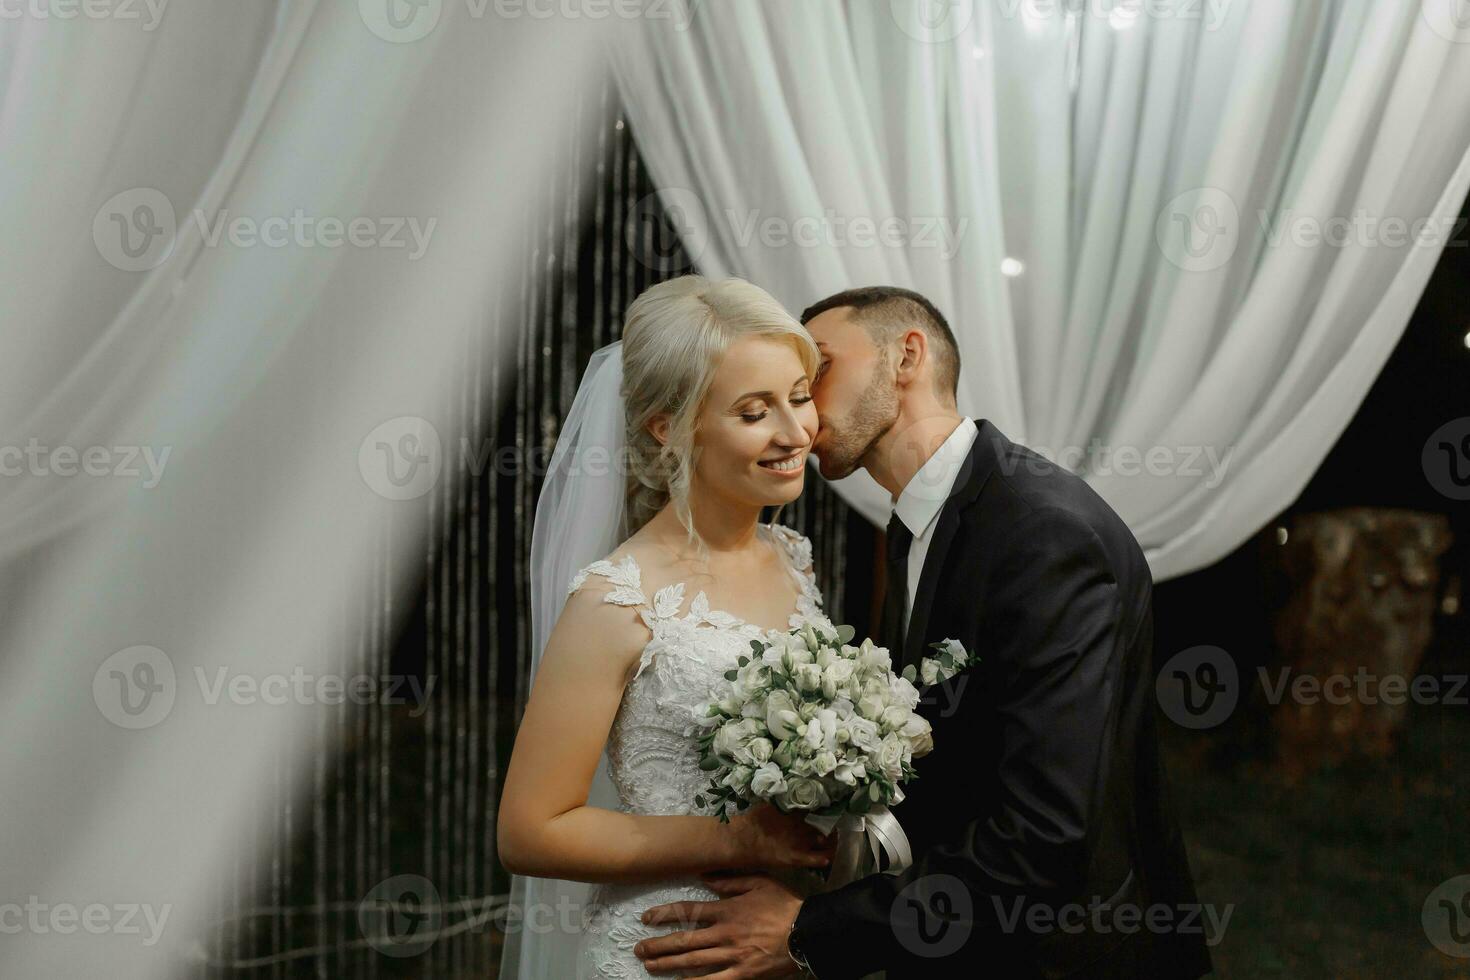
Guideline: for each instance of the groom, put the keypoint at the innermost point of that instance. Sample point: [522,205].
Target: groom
[1043,839]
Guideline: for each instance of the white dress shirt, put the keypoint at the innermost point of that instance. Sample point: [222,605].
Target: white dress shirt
[923,497]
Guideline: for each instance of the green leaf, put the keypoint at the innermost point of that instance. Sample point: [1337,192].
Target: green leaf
[730,675]
[758,646]
[699,801]
[845,633]
[709,765]
[910,675]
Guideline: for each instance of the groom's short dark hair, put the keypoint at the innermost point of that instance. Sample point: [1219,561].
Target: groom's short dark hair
[883,310]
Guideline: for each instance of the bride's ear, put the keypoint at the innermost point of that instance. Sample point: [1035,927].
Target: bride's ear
[658,427]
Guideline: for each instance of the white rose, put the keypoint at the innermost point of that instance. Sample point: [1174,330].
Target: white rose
[806,794]
[864,734]
[891,756]
[871,706]
[781,717]
[730,739]
[919,734]
[894,717]
[929,670]
[768,781]
[874,657]
[900,691]
[760,749]
[808,677]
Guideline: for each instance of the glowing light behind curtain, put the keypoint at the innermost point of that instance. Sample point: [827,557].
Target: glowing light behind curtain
[264,370]
[1068,138]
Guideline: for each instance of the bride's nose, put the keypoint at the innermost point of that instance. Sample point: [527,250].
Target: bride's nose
[791,434]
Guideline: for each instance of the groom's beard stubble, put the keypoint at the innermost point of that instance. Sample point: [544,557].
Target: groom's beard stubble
[852,445]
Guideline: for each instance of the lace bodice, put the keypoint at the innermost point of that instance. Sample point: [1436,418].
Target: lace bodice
[651,754]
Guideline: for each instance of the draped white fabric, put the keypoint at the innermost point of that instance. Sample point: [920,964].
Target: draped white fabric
[255,367]
[1177,241]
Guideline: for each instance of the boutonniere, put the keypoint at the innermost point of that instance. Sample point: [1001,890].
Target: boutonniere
[950,658]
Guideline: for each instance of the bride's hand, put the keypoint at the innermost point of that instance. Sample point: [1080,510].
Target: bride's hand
[767,838]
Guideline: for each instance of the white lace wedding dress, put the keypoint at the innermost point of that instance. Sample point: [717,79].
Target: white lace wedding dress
[652,757]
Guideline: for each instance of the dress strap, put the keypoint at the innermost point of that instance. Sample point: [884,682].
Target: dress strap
[627,581]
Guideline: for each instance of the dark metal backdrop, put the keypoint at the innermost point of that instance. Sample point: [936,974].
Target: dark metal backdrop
[383,864]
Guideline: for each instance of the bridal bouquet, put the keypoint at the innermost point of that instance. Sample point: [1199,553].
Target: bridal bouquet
[812,723]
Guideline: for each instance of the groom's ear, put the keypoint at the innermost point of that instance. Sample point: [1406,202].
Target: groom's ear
[658,427]
[913,352]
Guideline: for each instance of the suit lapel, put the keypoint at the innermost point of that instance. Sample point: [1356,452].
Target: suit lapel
[976,470]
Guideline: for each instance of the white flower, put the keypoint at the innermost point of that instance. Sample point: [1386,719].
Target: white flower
[891,756]
[874,657]
[824,762]
[768,781]
[893,718]
[808,677]
[848,773]
[900,691]
[805,794]
[732,736]
[760,749]
[929,670]
[865,734]
[919,734]
[781,716]
[835,677]
[871,706]
[738,778]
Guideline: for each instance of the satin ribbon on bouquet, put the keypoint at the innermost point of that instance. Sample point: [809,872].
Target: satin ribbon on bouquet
[881,830]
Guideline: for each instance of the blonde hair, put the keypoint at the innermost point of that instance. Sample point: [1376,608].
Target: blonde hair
[674,336]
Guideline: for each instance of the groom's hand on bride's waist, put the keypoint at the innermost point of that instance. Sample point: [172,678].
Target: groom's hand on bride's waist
[742,935]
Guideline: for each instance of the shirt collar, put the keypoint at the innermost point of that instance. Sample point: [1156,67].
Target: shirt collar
[924,495]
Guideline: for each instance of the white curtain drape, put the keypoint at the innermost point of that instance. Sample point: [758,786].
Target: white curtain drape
[258,367]
[1177,241]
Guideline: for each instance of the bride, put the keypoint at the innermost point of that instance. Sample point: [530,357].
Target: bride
[678,437]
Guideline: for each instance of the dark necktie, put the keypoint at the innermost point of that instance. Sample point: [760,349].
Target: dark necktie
[895,601]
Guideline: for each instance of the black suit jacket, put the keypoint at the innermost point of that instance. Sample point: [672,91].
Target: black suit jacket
[1042,815]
